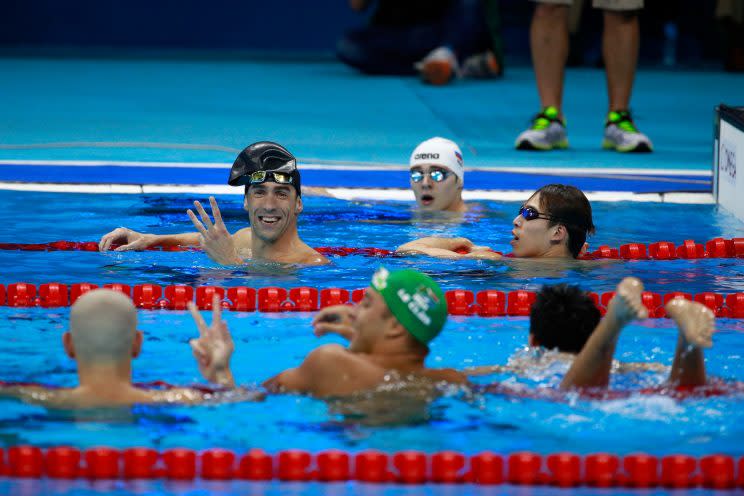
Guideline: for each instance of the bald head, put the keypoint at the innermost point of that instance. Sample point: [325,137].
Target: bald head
[103,324]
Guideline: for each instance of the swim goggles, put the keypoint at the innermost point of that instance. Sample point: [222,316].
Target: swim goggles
[436,175]
[261,176]
[530,213]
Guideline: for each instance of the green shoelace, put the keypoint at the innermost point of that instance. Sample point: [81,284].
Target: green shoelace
[622,120]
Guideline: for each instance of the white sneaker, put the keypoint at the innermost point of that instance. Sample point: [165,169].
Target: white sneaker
[439,67]
[547,132]
[621,134]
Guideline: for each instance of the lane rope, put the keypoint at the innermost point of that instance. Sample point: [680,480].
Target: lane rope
[484,303]
[564,469]
[660,250]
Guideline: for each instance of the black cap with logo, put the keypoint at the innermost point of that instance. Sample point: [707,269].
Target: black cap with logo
[264,156]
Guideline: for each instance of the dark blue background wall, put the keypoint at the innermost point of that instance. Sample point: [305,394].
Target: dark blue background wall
[293,25]
[305,26]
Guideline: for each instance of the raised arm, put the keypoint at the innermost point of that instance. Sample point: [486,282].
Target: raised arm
[130,240]
[696,324]
[591,367]
[214,346]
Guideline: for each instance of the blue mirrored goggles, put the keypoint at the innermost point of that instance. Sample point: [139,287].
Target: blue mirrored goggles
[530,213]
[436,175]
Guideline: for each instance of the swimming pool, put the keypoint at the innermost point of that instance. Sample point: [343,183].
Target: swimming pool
[328,222]
[461,420]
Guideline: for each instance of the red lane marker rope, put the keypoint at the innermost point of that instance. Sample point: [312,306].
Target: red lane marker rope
[484,303]
[661,250]
[564,469]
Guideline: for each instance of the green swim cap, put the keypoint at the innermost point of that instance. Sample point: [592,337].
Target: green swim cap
[415,299]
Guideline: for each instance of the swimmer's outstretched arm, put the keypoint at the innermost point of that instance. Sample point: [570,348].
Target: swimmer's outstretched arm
[436,247]
[448,248]
[591,367]
[130,240]
[23,392]
[450,244]
[214,347]
[214,238]
[696,323]
[334,320]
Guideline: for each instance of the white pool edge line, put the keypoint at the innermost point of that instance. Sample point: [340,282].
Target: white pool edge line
[348,193]
[361,166]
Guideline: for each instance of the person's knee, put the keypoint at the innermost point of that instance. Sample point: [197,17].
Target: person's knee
[551,12]
[621,16]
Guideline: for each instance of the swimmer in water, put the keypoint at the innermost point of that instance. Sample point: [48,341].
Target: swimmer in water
[552,224]
[273,201]
[695,323]
[592,365]
[389,332]
[103,339]
[562,318]
[437,176]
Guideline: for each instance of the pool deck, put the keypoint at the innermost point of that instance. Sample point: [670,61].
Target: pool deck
[118,124]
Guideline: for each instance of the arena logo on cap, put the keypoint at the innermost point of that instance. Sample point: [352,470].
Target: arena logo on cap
[419,302]
[426,156]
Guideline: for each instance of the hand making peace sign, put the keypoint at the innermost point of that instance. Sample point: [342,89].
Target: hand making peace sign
[215,239]
[214,347]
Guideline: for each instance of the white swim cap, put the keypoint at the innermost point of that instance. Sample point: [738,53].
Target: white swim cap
[442,152]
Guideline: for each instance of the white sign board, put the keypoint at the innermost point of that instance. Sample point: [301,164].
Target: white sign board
[731,169]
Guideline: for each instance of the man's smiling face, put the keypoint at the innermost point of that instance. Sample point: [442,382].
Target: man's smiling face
[272,209]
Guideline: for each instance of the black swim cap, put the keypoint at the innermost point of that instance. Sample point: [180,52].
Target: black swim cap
[264,156]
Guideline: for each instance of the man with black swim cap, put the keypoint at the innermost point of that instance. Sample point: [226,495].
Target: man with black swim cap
[273,201]
[262,158]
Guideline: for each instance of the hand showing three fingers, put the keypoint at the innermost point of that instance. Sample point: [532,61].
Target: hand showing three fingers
[214,346]
[215,239]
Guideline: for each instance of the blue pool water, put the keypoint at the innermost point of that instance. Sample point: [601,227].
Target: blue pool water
[327,222]
[266,344]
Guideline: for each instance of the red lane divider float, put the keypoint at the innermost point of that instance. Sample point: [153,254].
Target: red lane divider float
[661,250]
[339,251]
[485,303]
[640,470]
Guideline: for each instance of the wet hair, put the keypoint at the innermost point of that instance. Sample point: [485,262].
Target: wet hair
[563,317]
[571,209]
